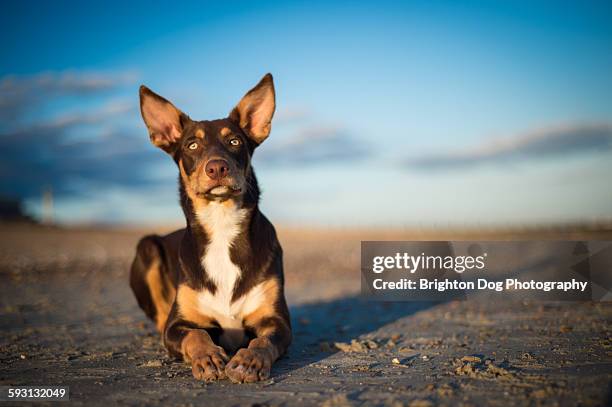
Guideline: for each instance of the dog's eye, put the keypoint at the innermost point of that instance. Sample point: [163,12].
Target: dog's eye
[193,146]
[235,142]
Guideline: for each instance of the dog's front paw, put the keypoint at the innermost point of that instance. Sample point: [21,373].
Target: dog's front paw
[209,365]
[249,365]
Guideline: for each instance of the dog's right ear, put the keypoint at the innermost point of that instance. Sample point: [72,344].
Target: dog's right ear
[163,120]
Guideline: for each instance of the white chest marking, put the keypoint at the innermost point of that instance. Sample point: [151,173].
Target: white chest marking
[222,223]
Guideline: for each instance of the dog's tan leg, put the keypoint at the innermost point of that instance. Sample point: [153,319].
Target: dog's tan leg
[254,363]
[186,340]
[207,359]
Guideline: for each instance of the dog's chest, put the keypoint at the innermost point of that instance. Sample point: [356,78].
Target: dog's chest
[222,223]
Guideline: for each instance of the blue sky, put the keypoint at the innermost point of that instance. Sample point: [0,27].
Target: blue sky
[406,114]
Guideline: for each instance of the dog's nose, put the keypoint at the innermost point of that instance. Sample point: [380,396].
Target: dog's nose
[217,169]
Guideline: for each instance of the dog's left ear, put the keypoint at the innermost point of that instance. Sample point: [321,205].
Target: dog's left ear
[254,112]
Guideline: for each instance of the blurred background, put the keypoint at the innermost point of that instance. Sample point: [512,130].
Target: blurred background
[415,114]
[414,120]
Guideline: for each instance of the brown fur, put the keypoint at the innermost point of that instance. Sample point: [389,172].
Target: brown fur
[183,286]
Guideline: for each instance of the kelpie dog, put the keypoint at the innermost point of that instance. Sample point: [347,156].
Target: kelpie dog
[216,285]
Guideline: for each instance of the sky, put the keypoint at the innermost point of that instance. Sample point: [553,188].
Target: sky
[427,114]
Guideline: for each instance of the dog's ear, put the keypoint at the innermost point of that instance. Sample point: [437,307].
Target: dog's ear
[255,110]
[163,120]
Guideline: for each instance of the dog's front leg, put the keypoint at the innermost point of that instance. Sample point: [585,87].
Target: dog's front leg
[273,336]
[197,347]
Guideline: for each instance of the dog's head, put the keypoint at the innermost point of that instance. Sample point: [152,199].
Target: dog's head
[213,156]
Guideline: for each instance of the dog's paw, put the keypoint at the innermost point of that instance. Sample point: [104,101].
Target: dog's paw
[210,364]
[249,365]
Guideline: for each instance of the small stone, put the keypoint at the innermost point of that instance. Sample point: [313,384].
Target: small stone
[153,363]
[343,346]
[528,356]
[395,361]
[354,346]
[471,359]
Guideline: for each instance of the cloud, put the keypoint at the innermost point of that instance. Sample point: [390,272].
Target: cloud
[65,122]
[48,154]
[545,143]
[21,93]
[76,153]
[314,145]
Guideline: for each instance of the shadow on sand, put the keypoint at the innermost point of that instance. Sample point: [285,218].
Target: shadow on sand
[339,320]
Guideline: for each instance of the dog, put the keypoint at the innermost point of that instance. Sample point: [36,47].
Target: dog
[216,287]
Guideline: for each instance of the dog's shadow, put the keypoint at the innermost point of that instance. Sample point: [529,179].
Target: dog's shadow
[317,326]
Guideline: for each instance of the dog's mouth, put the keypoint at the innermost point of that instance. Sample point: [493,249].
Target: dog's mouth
[222,192]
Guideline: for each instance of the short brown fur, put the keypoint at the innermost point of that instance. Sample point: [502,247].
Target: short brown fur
[172,279]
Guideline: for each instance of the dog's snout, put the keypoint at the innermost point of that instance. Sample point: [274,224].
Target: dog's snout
[217,169]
